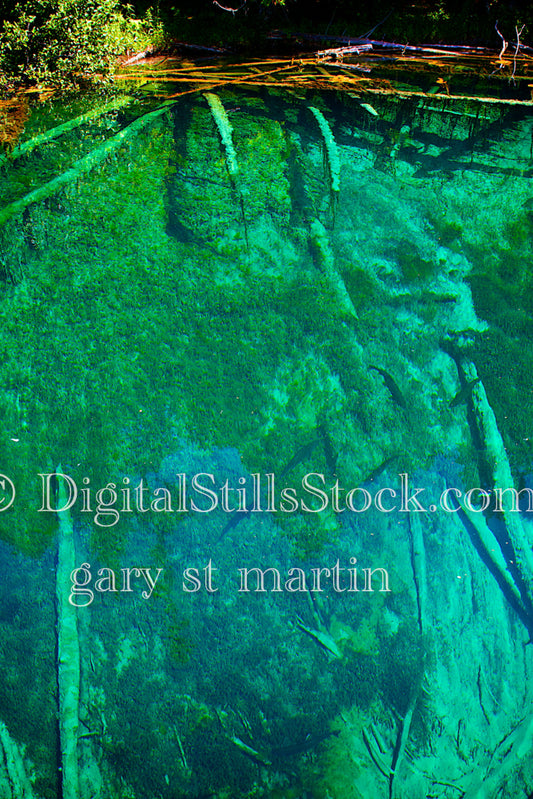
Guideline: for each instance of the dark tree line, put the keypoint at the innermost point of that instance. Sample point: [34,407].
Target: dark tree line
[68,41]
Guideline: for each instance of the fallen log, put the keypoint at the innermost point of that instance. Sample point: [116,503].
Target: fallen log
[27,146]
[80,167]
[68,654]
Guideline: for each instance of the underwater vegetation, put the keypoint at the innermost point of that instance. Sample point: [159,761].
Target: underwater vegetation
[197,302]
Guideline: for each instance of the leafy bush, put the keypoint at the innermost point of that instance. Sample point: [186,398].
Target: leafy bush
[69,43]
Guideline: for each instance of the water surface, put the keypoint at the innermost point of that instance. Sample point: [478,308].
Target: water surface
[209,303]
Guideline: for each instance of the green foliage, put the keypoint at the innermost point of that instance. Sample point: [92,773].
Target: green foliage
[68,43]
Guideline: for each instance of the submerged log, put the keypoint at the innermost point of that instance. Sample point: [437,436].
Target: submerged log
[14,780]
[80,167]
[68,654]
[26,147]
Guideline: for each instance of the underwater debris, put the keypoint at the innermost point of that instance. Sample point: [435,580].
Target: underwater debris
[68,653]
[276,755]
[183,757]
[322,638]
[256,757]
[509,753]
[376,754]
[42,138]
[403,737]
[502,479]
[490,552]
[377,749]
[370,109]
[13,773]
[81,167]
[418,561]
[325,260]
[512,565]
[405,130]
[224,128]
[331,149]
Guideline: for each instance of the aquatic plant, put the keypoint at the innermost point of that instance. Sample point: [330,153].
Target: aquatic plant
[519,230]
[412,265]
[447,232]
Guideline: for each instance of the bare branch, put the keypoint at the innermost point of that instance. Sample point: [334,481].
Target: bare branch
[504,41]
[226,8]
[518,33]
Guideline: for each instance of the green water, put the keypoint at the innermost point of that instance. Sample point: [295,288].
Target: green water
[243,331]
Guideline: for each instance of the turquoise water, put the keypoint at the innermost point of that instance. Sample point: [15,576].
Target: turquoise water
[244,329]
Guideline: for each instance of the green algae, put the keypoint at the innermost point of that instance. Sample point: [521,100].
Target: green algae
[139,321]
[412,265]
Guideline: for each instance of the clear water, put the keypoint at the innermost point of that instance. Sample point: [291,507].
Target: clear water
[326,317]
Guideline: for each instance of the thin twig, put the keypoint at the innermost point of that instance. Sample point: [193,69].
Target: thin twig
[371,31]
[226,8]
[518,32]
[504,42]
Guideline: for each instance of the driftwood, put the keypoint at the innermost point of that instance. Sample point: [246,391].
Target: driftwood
[378,44]
[171,47]
[317,73]
[139,56]
[340,52]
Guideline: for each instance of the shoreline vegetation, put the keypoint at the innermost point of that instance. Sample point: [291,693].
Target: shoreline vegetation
[62,46]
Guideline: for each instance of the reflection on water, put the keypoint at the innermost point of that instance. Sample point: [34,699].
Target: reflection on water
[247,327]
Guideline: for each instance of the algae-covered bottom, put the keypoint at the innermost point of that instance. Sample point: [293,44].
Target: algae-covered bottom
[270,340]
